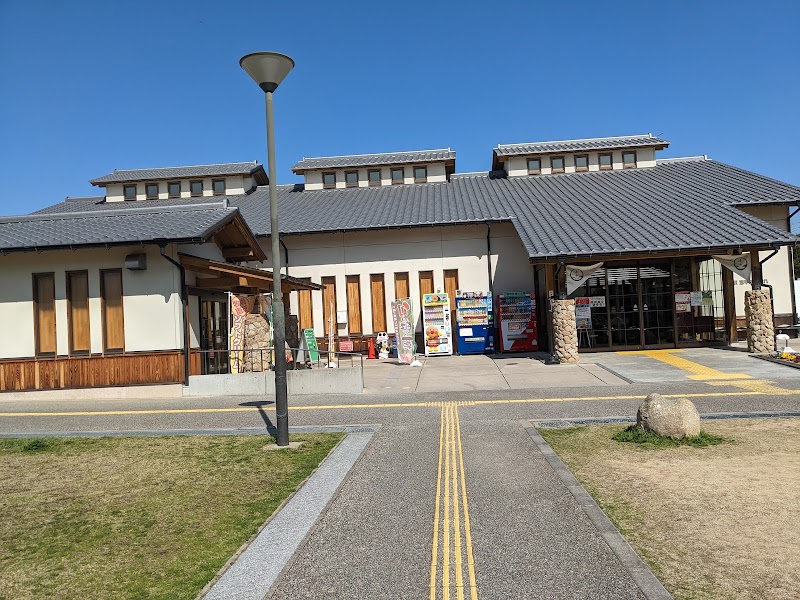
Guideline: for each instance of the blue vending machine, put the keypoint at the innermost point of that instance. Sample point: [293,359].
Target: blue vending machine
[474,322]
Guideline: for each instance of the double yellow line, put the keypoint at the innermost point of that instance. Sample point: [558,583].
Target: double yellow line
[451,514]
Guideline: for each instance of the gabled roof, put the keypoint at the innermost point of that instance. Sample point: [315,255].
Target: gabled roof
[606,143]
[367,160]
[133,175]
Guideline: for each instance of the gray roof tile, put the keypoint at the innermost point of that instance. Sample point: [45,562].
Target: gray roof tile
[628,141]
[366,160]
[124,175]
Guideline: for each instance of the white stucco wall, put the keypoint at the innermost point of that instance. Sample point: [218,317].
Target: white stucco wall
[234,184]
[436,172]
[151,299]
[518,165]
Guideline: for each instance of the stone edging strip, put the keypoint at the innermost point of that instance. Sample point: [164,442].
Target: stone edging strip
[256,569]
[648,583]
[577,421]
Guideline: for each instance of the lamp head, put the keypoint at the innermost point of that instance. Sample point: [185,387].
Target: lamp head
[268,69]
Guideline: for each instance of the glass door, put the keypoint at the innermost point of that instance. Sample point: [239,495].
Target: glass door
[657,298]
[624,302]
[214,336]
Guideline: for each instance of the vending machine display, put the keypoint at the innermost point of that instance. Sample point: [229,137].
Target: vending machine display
[516,314]
[474,322]
[436,324]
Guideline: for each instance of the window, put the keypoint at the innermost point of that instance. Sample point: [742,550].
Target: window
[534,166]
[401,289]
[111,302]
[398,175]
[129,192]
[556,164]
[151,190]
[378,303]
[329,180]
[329,303]
[174,189]
[425,284]
[196,188]
[420,174]
[581,162]
[351,178]
[374,177]
[628,159]
[606,161]
[44,313]
[354,324]
[305,309]
[218,186]
[78,312]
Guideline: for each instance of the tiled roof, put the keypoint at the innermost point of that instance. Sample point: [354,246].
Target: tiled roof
[124,175]
[113,227]
[366,160]
[628,141]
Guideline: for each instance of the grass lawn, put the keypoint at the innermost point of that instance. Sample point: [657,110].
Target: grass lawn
[713,522]
[147,517]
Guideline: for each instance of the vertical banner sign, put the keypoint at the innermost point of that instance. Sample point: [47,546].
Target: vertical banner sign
[239,305]
[403,317]
[739,264]
[576,275]
[311,344]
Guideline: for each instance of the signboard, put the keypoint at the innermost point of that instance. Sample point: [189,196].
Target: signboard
[345,346]
[311,344]
[597,301]
[697,298]
[683,302]
[403,317]
[583,313]
[708,298]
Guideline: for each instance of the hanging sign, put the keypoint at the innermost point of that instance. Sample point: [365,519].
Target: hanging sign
[683,302]
[576,275]
[402,315]
[739,264]
[583,313]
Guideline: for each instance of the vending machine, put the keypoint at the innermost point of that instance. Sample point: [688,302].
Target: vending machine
[474,322]
[436,324]
[516,314]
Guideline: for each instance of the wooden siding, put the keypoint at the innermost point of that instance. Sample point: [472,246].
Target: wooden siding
[378,303]
[306,309]
[401,289]
[113,313]
[354,322]
[329,302]
[78,312]
[44,313]
[425,284]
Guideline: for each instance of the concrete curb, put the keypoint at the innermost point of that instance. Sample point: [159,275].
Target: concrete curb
[648,583]
[170,432]
[576,422]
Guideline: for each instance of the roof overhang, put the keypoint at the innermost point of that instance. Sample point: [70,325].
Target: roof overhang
[224,277]
[237,241]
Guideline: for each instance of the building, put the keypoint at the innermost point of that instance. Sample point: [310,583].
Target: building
[368,229]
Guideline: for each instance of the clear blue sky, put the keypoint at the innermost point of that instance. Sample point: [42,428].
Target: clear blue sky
[88,87]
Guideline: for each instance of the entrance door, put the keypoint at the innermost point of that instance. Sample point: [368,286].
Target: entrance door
[624,300]
[655,282]
[214,336]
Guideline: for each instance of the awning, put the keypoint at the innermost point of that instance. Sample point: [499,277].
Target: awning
[225,277]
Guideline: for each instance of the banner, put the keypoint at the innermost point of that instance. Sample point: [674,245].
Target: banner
[739,264]
[241,305]
[403,317]
[577,275]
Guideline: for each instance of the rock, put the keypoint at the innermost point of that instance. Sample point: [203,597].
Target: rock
[669,417]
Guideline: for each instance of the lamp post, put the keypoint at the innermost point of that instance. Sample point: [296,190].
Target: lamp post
[268,69]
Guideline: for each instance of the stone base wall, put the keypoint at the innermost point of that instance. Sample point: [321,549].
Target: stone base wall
[758,316]
[256,335]
[565,332]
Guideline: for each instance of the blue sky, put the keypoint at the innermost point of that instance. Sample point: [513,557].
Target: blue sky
[93,86]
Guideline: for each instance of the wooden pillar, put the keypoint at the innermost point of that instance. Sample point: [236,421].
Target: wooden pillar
[756,276]
[729,303]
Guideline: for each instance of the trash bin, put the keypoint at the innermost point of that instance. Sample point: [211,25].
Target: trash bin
[781,341]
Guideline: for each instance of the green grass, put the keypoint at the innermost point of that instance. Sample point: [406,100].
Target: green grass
[137,517]
[650,441]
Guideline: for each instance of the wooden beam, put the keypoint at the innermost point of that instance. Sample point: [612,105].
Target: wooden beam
[240,253]
[218,282]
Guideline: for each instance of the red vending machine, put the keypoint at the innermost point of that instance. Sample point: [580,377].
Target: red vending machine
[516,318]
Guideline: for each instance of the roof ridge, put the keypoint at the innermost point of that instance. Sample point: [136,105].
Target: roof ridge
[699,157]
[105,213]
[613,137]
[247,162]
[378,153]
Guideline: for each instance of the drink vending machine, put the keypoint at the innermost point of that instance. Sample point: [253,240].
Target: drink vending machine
[516,313]
[474,322]
[436,324]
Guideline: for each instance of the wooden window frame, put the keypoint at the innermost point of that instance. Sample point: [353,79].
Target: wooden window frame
[420,179]
[600,161]
[106,350]
[325,313]
[125,188]
[192,192]
[350,183]
[581,169]
[563,164]
[329,186]
[629,165]
[170,194]
[147,193]
[405,275]
[70,335]
[36,324]
[214,182]
[374,183]
[381,303]
[351,308]
[402,179]
[534,171]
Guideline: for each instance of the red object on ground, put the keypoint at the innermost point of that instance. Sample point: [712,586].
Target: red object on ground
[371,349]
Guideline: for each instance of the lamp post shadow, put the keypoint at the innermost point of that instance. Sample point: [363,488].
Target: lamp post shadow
[260,404]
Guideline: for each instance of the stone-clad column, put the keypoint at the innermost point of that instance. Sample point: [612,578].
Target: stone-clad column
[758,313]
[565,332]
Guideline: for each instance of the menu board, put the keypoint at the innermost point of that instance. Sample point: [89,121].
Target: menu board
[683,302]
[583,313]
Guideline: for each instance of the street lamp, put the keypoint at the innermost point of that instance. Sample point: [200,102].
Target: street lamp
[268,69]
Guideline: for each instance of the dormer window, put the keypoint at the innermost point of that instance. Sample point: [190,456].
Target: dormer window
[534,166]
[174,189]
[556,164]
[581,162]
[420,174]
[351,178]
[151,190]
[196,188]
[129,192]
[398,175]
[374,177]
[329,180]
[628,159]
[218,186]
[606,161]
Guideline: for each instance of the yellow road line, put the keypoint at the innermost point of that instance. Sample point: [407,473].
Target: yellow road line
[467,528]
[435,551]
[457,517]
[698,372]
[446,548]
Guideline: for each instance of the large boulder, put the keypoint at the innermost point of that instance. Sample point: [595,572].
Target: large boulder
[669,417]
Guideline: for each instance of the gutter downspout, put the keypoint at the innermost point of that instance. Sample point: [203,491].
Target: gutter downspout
[489,257]
[791,265]
[286,253]
[185,305]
